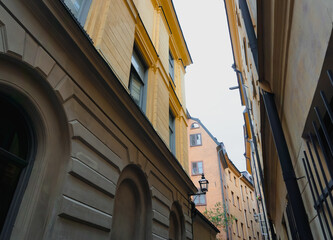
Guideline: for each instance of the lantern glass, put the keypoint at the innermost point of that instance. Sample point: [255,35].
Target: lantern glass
[203,184]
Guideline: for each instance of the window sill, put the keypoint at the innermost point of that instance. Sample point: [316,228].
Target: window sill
[197,174]
[196,145]
[201,204]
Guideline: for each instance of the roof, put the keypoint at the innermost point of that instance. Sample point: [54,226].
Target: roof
[197,212]
[204,127]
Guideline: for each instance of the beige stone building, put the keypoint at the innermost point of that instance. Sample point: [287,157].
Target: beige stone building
[283,60]
[227,185]
[93,135]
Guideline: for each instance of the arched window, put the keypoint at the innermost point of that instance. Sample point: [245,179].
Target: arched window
[176,223]
[15,153]
[195,125]
[132,207]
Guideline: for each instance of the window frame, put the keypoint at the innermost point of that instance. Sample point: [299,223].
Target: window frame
[202,167]
[204,203]
[137,57]
[23,179]
[83,12]
[172,132]
[194,135]
[171,67]
[193,127]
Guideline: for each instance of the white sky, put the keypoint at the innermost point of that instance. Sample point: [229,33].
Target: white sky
[208,79]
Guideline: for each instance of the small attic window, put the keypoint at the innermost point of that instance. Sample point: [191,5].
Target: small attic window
[195,125]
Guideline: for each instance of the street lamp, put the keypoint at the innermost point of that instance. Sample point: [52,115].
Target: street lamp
[203,182]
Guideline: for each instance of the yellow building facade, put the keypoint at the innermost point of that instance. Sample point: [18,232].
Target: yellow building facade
[150,31]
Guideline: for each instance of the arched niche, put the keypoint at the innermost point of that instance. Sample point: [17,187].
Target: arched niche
[176,223]
[132,215]
[45,153]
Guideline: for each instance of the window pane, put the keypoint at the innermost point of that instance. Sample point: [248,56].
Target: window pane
[138,65]
[198,139]
[194,168]
[9,176]
[171,66]
[136,89]
[200,168]
[75,6]
[195,139]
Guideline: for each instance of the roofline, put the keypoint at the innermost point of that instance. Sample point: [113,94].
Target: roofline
[197,212]
[181,30]
[204,127]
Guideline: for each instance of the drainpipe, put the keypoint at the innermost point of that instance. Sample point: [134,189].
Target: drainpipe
[225,206]
[251,35]
[248,210]
[254,144]
[289,177]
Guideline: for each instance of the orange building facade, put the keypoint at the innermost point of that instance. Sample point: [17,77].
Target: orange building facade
[227,185]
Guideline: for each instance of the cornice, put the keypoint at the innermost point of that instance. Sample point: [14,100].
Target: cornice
[175,30]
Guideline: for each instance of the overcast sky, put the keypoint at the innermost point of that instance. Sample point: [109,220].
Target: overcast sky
[208,79]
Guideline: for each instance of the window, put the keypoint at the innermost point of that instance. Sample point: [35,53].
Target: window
[79,9]
[236,223]
[242,227]
[248,206]
[195,125]
[251,195]
[235,181]
[242,192]
[137,81]
[172,138]
[229,175]
[247,224]
[195,139]
[238,203]
[171,66]
[252,228]
[197,168]
[15,165]
[233,199]
[245,53]
[200,200]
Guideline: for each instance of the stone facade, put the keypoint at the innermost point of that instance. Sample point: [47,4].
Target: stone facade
[96,163]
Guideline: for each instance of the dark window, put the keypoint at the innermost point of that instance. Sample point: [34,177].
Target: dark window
[79,9]
[197,168]
[200,200]
[245,53]
[171,66]
[195,125]
[172,138]
[242,227]
[137,81]
[195,139]
[15,150]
